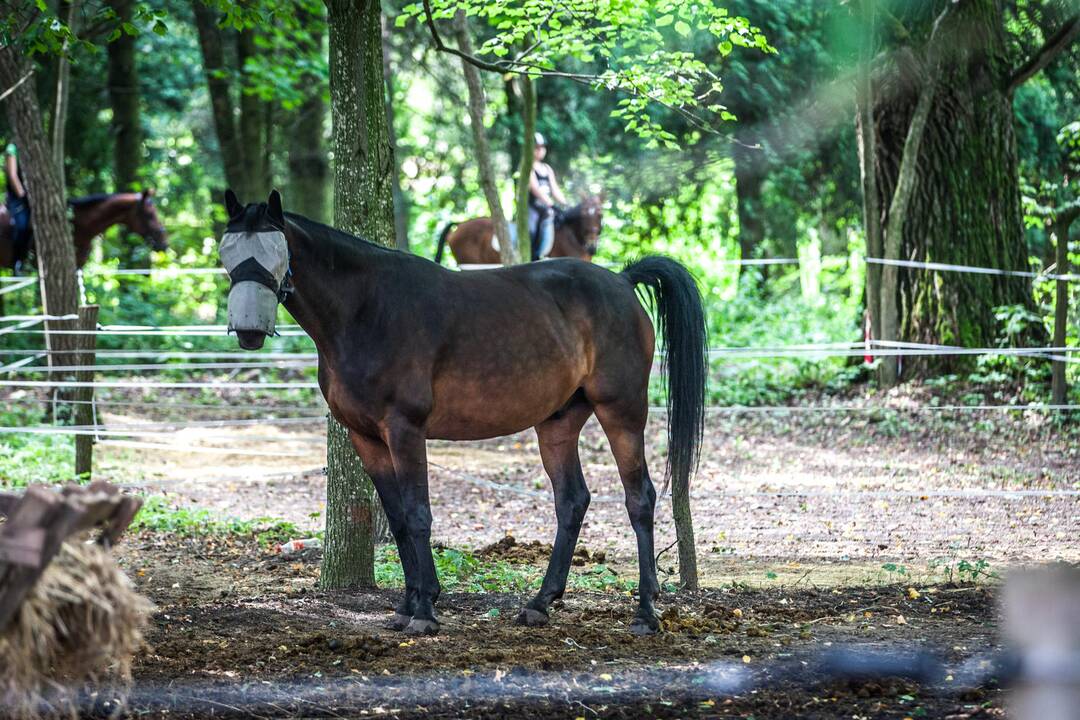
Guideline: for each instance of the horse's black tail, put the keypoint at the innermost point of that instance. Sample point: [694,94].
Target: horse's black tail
[442,240]
[681,322]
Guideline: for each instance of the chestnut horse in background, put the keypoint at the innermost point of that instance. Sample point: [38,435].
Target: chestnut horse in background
[577,232]
[93,215]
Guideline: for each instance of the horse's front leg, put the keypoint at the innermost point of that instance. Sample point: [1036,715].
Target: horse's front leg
[408,451]
[376,457]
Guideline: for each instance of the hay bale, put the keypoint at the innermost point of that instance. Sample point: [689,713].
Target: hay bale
[77,631]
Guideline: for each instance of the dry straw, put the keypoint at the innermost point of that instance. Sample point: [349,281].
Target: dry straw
[74,637]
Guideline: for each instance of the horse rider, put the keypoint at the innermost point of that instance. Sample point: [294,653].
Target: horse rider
[543,192]
[18,206]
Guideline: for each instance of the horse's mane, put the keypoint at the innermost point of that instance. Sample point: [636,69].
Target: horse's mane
[338,238]
[89,199]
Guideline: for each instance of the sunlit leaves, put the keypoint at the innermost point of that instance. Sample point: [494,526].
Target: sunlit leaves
[631,47]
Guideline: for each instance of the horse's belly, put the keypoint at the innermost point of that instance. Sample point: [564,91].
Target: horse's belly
[477,408]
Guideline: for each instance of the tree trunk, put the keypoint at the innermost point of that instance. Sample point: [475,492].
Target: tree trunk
[964,202]
[349,550]
[221,102]
[309,170]
[401,202]
[528,140]
[63,92]
[867,138]
[126,124]
[364,205]
[477,105]
[53,242]
[684,534]
[124,99]
[253,126]
[1059,388]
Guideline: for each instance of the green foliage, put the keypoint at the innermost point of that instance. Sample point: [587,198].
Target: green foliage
[158,514]
[630,47]
[962,570]
[26,458]
[462,571]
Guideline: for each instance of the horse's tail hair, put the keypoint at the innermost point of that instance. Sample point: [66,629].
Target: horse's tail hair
[681,324]
[442,240]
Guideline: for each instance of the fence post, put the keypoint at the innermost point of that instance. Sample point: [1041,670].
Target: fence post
[84,410]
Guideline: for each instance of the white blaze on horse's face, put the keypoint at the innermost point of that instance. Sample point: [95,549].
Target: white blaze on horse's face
[257,263]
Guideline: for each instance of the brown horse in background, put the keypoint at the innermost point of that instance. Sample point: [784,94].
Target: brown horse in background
[577,232]
[93,215]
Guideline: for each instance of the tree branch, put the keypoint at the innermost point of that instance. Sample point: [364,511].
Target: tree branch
[1054,45]
[14,87]
[429,20]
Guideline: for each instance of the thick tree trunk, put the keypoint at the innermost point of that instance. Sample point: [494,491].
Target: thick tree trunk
[52,232]
[363,204]
[528,140]
[221,102]
[477,106]
[965,202]
[349,550]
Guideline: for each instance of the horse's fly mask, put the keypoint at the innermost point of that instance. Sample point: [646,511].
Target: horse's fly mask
[257,263]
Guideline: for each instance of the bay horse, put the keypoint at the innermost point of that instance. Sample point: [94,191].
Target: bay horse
[93,215]
[409,350]
[577,233]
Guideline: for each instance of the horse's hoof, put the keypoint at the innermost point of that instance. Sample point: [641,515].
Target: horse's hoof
[419,626]
[399,622]
[532,618]
[644,626]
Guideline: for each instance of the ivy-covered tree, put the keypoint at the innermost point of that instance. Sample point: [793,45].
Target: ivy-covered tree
[944,107]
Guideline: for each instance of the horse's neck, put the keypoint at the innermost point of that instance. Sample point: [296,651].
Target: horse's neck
[96,219]
[329,290]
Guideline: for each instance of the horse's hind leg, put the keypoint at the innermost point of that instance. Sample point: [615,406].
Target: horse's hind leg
[558,438]
[377,462]
[624,425]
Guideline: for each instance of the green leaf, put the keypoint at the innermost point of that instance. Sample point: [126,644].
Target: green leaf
[665,20]
[725,47]
[682,27]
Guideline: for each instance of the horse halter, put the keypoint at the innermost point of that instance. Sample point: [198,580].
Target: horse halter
[258,266]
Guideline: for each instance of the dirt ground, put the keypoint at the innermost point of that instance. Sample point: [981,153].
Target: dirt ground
[823,496]
[241,632]
[816,529]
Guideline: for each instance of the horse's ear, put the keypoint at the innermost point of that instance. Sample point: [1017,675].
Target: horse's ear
[232,204]
[273,204]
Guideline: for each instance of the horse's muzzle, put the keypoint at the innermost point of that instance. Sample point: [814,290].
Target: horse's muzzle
[159,241]
[251,339]
[252,313]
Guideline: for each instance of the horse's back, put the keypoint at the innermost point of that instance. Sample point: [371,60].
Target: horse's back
[471,242]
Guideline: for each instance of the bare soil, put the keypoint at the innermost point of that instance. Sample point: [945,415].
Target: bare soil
[815,529]
[242,632]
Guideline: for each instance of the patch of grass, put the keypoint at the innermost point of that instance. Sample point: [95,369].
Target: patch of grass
[160,515]
[462,571]
[29,458]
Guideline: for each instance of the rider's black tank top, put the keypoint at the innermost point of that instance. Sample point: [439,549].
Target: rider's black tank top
[543,179]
